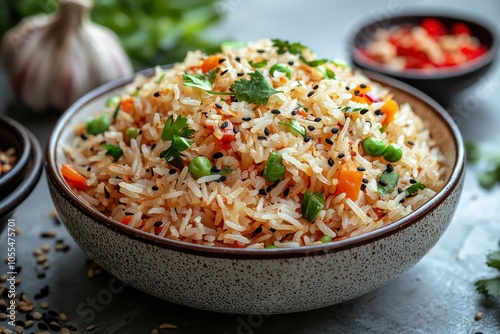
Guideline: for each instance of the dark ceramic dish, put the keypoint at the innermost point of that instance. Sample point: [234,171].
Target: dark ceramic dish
[13,135]
[28,179]
[442,84]
[248,280]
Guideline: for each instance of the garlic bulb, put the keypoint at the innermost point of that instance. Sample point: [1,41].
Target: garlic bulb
[54,59]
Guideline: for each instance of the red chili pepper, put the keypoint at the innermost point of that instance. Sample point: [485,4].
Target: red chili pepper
[224,137]
[371,97]
[434,27]
[158,230]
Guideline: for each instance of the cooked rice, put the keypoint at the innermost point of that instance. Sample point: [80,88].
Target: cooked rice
[233,212]
[7,160]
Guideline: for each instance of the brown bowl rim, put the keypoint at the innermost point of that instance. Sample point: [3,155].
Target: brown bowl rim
[55,178]
[438,74]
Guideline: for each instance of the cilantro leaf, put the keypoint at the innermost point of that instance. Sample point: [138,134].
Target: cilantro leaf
[493,259]
[387,182]
[349,110]
[313,63]
[490,287]
[177,127]
[180,143]
[173,157]
[294,127]
[414,188]
[312,204]
[113,151]
[285,46]
[327,73]
[256,90]
[258,64]
[226,170]
[200,81]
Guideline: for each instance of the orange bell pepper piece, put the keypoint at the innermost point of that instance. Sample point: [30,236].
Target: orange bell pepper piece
[389,109]
[127,104]
[210,63]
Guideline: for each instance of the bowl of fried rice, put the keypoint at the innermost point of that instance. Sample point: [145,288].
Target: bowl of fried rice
[257,180]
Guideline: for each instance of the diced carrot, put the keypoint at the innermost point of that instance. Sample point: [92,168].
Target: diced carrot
[389,109]
[126,220]
[237,245]
[74,177]
[210,63]
[127,104]
[349,181]
[301,112]
[358,99]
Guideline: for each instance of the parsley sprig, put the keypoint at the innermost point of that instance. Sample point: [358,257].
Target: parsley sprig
[491,287]
[296,49]
[178,132]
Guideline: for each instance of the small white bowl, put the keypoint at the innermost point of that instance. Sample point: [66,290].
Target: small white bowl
[258,281]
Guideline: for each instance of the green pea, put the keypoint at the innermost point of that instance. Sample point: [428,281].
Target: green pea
[112,101]
[281,68]
[199,167]
[374,147]
[131,133]
[393,153]
[271,247]
[326,239]
[98,125]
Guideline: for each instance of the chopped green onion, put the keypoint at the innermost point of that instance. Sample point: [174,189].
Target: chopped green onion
[312,204]
[180,143]
[414,188]
[113,151]
[274,169]
[258,64]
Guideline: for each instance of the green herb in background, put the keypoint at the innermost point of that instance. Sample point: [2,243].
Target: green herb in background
[151,31]
[491,287]
[489,164]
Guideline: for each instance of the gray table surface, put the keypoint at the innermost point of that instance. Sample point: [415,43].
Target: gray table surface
[436,296]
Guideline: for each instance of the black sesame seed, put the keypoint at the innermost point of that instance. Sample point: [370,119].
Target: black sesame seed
[362,86]
[290,62]
[218,106]
[217,155]
[172,171]
[335,130]
[140,132]
[106,193]
[361,168]
[267,132]
[261,50]
[341,155]
[257,230]
[235,130]
[20,323]
[329,141]
[364,180]
[71,328]
[275,111]
[83,136]
[307,138]
[223,72]
[402,200]
[158,223]
[157,94]
[240,74]
[356,92]
[347,88]
[222,60]
[400,190]
[214,169]
[390,168]
[310,93]
[222,178]
[331,162]
[238,59]
[155,188]
[382,183]
[40,276]
[29,316]
[262,192]
[89,169]
[286,192]
[317,119]
[224,125]
[153,146]
[272,229]
[129,213]
[52,313]
[261,138]
[53,326]
[315,87]
[294,112]
[413,181]
[246,118]
[363,187]
[311,128]
[363,111]
[409,142]
[378,112]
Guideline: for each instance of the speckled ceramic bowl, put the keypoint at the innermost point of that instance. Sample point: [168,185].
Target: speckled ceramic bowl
[258,281]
